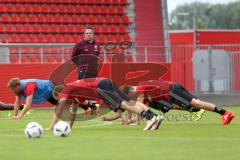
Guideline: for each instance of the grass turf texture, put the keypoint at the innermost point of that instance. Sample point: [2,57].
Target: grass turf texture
[182,139]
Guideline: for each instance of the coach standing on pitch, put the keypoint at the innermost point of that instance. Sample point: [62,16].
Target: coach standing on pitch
[85,56]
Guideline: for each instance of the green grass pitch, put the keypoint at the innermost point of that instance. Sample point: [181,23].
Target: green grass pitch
[177,139]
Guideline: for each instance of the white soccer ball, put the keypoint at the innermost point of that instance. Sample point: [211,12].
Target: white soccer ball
[33,130]
[61,129]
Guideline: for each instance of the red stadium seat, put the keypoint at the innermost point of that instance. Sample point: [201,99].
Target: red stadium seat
[59,38]
[14,59]
[62,8]
[28,8]
[49,18]
[113,29]
[127,38]
[66,18]
[19,8]
[96,9]
[23,18]
[3,7]
[82,2]
[68,38]
[10,8]
[122,29]
[97,29]
[58,59]
[46,59]
[79,9]
[44,8]
[28,28]
[36,8]
[19,28]
[53,8]
[15,18]
[91,2]
[76,19]
[10,28]
[32,18]
[120,10]
[32,38]
[117,19]
[71,28]
[109,19]
[116,2]
[5,18]
[50,38]
[84,19]
[102,39]
[88,9]
[124,2]
[41,18]
[45,28]
[125,19]
[62,28]
[112,10]
[100,2]
[79,28]
[92,19]
[58,18]
[112,39]
[104,10]
[42,38]
[106,2]
[76,38]
[55,28]
[100,19]
[2,28]
[105,29]
[33,59]
[23,38]
[36,28]
[120,38]
[24,59]
[14,38]
[71,9]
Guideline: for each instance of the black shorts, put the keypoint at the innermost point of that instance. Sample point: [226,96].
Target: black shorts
[52,100]
[180,96]
[110,94]
[162,105]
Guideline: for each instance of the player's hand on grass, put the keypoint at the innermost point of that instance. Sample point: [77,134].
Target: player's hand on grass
[16,118]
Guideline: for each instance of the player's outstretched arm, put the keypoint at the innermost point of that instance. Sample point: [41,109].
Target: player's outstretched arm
[73,114]
[16,106]
[26,107]
[58,112]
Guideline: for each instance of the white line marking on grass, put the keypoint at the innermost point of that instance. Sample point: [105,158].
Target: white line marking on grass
[95,125]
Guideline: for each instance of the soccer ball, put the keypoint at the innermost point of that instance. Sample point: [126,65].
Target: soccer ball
[33,130]
[61,129]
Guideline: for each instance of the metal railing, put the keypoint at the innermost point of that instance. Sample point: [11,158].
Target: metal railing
[18,53]
[183,68]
